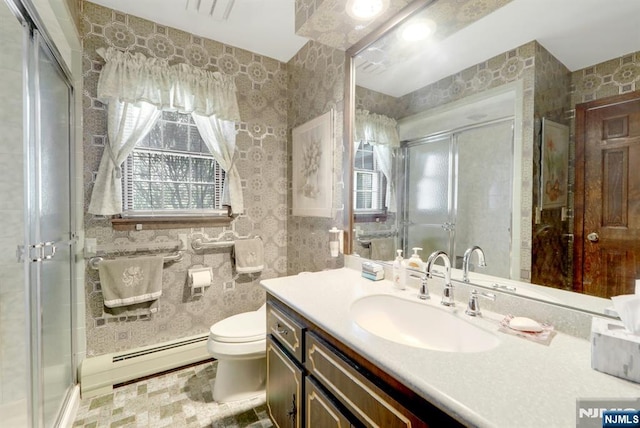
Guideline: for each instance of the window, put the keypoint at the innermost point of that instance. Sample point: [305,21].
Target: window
[172,172]
[370,182]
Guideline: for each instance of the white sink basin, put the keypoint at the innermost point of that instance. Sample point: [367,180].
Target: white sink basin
[419,325]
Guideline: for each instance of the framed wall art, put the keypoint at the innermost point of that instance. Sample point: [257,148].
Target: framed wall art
[554,165]
[312,167]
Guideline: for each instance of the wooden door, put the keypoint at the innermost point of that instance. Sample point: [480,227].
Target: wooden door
[284,388]
[607,227]
[320,410]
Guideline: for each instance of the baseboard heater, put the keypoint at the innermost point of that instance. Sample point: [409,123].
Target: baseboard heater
[99,374]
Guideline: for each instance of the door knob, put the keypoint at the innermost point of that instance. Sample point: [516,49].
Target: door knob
[593,237]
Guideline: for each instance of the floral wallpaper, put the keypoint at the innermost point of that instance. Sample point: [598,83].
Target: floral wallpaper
[262,164]
[316,87]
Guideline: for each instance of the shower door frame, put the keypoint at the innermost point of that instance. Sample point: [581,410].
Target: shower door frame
[452,214]
[35,36]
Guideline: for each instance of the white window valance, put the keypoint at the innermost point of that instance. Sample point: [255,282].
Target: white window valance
[136,90]
[133,78]
[376,129]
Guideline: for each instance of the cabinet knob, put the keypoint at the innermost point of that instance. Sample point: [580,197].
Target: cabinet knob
[281,330]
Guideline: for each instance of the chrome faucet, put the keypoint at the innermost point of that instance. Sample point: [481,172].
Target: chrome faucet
[467,258]
[447,293]
[423,292]
[473,309]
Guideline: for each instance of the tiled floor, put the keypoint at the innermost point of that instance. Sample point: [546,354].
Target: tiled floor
[178,399]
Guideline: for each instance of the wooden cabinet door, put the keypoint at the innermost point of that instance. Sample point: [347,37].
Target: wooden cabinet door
[284,388]
[320,411]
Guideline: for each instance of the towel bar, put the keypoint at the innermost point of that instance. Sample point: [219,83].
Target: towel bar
[95,261]
[201,244]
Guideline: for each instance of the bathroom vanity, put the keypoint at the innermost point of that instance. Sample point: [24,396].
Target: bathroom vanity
[324,369]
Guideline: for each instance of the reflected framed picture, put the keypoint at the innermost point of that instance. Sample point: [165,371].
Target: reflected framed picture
[554,165]
[312,164]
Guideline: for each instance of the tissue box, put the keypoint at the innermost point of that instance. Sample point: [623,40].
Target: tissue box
[614,350]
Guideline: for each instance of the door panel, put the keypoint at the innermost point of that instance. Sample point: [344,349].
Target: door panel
[609,247]
[50,224]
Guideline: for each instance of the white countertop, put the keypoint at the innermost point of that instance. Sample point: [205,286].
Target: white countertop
[518,384]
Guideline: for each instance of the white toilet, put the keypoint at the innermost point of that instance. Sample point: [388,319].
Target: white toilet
[239,344]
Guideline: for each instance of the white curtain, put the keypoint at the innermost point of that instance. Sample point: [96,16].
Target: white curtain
[128,124]
[382,133]
[137,89]
[182,87]
[220,138]
[376,129]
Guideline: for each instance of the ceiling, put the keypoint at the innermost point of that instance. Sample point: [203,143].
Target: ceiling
[578,32]
[265,27]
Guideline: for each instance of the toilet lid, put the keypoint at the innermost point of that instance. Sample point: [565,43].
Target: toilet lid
[244,327]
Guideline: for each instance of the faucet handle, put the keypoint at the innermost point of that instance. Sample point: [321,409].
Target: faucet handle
[447,295]
[423,292]
[473,309]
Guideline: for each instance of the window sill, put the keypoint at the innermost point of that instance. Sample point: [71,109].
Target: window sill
[379,217]
[147,223]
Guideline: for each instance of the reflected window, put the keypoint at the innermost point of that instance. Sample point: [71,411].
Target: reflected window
[172,171]
[370,182]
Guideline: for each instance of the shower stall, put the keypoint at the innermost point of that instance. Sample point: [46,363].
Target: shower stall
[458,193]
[37,237]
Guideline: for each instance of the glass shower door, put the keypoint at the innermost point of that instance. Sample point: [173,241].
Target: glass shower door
[50,229]
[428,196]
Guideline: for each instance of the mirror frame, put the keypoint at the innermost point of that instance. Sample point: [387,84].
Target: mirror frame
[348,135]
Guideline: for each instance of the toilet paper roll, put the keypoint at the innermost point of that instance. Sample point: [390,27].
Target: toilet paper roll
[200,278]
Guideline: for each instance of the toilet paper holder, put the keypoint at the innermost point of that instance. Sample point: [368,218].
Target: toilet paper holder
[199,280]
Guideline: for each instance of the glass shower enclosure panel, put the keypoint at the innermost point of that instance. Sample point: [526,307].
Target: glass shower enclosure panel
[484,194]
[50,227]
[428,196]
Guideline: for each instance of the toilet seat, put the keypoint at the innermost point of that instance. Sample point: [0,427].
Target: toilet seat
[240,328]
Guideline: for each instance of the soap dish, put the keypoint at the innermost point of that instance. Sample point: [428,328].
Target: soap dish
[544,336]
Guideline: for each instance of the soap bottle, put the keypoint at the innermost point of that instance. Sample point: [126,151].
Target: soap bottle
[415,262]
[399,272]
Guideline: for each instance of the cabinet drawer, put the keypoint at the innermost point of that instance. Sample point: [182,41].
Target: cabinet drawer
[284,388]
[372,406]
[320,410]
[286,330]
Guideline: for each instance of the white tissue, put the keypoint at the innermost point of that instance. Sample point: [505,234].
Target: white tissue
[628,309]
[199,280]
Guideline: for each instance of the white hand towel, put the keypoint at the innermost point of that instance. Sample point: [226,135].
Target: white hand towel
[249,255]
[128,281]
[383,249]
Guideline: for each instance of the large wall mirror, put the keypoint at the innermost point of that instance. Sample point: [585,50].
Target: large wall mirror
[468,119]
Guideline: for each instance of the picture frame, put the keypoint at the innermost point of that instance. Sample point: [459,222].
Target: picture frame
[554,165]
[312,163]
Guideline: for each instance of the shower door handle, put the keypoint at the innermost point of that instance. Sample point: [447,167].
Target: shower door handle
[41,251]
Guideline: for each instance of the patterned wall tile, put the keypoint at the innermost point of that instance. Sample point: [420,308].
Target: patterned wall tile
[316,87]
[262,145]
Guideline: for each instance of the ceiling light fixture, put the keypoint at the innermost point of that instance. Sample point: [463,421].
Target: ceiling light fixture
[417,30]
[366,9]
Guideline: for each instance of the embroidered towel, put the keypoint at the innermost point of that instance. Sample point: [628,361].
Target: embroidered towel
[129,281]
[138,310]
[382,249]
[249,255]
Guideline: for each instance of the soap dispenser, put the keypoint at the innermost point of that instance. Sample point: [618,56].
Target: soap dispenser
[415,262]
[399,272]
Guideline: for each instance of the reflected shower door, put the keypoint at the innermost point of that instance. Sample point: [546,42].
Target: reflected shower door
[50,226]
[428,196]
[484,194]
